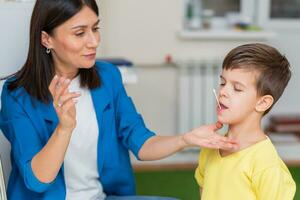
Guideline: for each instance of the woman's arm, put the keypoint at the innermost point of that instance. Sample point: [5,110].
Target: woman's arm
[158,147]
[48,161]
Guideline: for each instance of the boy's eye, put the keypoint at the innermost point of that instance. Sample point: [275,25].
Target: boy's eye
[222,83]
[237,89]
[96,29]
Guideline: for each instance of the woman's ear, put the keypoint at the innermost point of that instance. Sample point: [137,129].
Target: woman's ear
[264,103]
[46,40]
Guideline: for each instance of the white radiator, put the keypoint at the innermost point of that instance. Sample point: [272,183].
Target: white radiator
[196,101]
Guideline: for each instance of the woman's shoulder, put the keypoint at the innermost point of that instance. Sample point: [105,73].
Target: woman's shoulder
[9,97]
[109,73]
[6,90]
[106,69]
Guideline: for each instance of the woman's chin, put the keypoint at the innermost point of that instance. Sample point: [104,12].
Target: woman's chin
[88,65]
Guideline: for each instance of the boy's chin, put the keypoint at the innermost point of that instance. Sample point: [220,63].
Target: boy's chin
[223,120]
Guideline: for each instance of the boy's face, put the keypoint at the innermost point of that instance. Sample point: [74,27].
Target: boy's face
[237,95]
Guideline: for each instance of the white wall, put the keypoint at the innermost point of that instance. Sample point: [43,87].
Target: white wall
[14,34]
[288,43]
[145,31]
[156,99]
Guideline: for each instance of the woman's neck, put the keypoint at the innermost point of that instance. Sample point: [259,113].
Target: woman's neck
[67,73]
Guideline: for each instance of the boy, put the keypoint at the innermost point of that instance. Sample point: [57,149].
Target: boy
[253,78]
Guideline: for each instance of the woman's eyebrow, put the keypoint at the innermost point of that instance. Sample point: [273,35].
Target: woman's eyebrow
[84,26]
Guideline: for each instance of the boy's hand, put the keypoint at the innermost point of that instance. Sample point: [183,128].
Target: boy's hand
[206,136]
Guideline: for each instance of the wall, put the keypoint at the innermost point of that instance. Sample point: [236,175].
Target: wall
[145,31]
[14,34]
[288,42]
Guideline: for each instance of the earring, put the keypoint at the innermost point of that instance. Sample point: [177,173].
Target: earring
[48,50]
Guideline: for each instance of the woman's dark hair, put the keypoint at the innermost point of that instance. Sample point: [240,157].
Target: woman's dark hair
[38,70]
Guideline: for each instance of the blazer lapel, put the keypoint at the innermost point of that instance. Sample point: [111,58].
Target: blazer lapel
[101,101]
[48,113]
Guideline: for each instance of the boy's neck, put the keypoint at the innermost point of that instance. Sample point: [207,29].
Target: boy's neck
[246,134]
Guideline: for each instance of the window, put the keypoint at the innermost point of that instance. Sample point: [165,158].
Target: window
[285,9]
[218,13]
[279,14]
[226,6]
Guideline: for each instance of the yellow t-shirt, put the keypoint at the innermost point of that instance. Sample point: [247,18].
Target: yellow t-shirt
[256,172]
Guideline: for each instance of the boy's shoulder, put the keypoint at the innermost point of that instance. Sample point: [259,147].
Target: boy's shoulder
[265,156]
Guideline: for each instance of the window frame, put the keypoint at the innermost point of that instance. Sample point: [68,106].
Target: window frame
[247,8]
[265,21]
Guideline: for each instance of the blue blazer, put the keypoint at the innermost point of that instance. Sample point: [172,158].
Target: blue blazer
[28,126]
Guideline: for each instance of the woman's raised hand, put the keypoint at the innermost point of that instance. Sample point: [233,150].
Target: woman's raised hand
[206,136]
[64,102]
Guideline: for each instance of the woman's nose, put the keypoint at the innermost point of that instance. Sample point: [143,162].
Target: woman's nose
[93,40]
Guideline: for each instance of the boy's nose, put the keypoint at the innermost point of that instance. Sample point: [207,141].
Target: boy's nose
[222,92]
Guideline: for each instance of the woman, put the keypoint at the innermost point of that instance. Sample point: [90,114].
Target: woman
[69,120]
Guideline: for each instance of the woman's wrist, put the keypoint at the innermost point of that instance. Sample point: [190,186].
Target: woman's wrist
[64,130]
[182,141]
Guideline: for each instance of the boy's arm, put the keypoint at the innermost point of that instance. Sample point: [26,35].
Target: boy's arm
[199,172]
[274,183]
[200,192]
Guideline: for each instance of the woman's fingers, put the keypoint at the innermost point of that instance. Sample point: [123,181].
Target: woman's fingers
[223,138]
[222,142]
[58,87]
[68,105]
[61,86]
[52,85]
[66,97]
[219,125]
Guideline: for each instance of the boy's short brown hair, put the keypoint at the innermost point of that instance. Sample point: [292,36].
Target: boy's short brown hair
[273,67]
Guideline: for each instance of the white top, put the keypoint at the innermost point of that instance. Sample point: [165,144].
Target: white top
[80,163]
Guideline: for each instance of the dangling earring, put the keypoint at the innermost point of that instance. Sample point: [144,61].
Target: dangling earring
[48,50]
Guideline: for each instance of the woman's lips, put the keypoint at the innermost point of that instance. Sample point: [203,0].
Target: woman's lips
[90,56]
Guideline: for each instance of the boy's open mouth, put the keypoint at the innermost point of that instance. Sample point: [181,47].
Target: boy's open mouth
[223,106]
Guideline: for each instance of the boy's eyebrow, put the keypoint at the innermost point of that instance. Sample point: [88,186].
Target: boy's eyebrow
[234,82]
[84,26]
[221,77]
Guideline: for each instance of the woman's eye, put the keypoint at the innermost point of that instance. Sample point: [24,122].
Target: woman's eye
[79,34]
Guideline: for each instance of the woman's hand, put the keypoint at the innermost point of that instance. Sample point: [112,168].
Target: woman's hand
[206,136]
[64,102]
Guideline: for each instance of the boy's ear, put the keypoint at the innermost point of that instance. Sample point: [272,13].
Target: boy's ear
[264,103]
[46,40]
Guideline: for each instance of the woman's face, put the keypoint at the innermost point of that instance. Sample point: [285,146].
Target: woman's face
[74,43]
